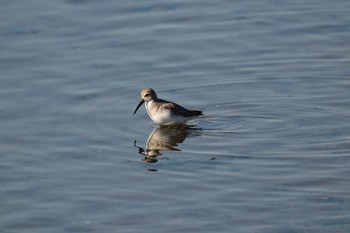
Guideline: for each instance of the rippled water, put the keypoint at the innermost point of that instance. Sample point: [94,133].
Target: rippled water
[271,154]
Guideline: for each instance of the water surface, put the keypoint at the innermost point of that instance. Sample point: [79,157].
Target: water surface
[272,153]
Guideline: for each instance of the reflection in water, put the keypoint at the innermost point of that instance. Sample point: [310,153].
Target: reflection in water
[165,138]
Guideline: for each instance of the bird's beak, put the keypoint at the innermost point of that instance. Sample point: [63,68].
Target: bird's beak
[138,106]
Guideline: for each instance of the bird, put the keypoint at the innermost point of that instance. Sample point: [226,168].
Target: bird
[164,112]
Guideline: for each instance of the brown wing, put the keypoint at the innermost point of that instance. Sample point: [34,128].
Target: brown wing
[179,110]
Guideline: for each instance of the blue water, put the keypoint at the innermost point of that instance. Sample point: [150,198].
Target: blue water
[271,154]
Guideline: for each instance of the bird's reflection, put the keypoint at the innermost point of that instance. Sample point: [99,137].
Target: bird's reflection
[165,138]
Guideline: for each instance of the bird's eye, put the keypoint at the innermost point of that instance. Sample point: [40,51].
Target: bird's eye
[146,95]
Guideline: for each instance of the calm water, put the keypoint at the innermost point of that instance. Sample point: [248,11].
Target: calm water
[272,153]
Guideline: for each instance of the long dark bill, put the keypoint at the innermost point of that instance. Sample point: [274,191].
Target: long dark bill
[138,106]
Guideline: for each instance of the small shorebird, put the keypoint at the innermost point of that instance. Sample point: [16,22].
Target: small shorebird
[164,112]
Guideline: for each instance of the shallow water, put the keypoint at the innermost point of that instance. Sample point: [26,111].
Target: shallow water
[271,154]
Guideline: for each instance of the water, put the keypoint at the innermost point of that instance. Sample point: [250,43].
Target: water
[272,153]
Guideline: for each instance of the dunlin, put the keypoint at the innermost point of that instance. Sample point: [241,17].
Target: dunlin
[164,112]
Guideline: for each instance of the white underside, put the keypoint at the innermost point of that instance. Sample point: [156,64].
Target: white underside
[165,117]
